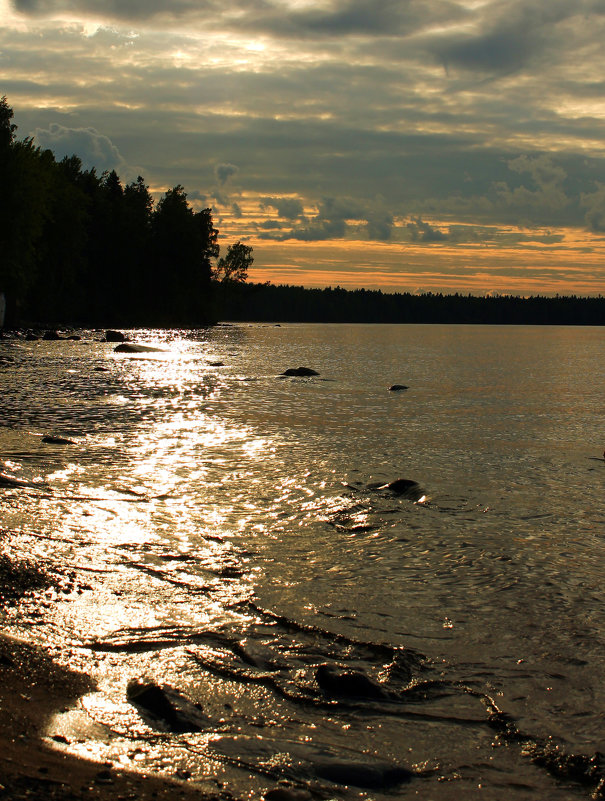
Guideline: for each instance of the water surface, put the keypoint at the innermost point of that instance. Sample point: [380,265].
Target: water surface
[219,531]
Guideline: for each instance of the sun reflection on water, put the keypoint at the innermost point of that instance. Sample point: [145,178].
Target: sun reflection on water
[222,530]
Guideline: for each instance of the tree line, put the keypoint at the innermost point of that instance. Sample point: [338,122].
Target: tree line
[271,303]
[83,248]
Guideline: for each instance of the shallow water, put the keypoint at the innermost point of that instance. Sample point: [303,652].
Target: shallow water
[226,536]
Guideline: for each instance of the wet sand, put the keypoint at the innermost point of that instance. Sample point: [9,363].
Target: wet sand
[32,689]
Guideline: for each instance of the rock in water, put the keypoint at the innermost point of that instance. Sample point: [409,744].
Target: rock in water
[300,371]
[287,794]
[50,439]
[131,347]
[343,682]
[166,706]
[397,387]
[115,336]
[405,487]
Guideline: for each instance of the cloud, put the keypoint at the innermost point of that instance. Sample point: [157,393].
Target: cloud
[340,217]
[93,148]
[508,36]
[347,17]
[290,208]
[547,200]
[421,231]
[223,172]
[594,202]
[108,9]
[334,117]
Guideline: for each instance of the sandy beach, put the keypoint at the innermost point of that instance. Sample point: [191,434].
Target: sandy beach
[33,688]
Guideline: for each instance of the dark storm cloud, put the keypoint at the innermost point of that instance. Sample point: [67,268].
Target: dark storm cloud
[507,36]
[361,18]
[108,9]
[356,17]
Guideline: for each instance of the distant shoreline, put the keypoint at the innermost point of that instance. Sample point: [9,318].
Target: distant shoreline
[285,303]
[275,304]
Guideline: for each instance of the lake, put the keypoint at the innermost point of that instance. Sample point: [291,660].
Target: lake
[226,532]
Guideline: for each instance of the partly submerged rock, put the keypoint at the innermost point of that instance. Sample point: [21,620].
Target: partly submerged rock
[131,347]
[300,371]
[287,794]
[166,707]
[115,336]
[51,439]
[343,682]
[404,487]
[397,387]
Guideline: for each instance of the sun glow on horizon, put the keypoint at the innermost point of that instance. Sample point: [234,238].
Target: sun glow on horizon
[520,270]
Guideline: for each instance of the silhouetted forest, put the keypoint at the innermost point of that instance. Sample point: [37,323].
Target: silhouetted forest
[81,248]
[78,248]
[269,303]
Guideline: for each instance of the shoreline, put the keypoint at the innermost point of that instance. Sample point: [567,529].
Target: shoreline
[32,688]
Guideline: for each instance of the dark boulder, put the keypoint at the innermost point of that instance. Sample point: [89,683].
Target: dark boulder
[50,439]
[130,347]
[338,681]
[300,371]
[287,794]
[165,707]
[115,336]
[405,488]
[397,387]
[52,336]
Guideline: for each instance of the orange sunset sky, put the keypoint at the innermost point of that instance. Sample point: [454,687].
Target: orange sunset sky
[442,145]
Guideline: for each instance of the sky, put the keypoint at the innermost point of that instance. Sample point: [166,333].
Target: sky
[406,145]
